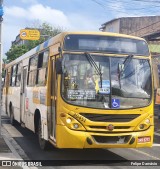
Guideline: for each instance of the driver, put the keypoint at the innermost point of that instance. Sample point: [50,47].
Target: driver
[89,79]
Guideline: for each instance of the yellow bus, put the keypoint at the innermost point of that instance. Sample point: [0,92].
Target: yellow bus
[84,90]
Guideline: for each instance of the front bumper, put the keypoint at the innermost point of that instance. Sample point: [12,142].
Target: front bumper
[67,138]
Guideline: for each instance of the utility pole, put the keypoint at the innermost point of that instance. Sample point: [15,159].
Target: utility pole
[1,19]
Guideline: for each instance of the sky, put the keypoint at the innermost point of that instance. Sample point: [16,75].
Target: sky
[71,15]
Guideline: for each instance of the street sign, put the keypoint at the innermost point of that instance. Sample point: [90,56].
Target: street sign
[29,34]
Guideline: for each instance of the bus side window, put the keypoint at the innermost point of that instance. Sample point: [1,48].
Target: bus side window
[42,68]
[13,75]
[18,74]
[7,78]
[3,78]
[32,71]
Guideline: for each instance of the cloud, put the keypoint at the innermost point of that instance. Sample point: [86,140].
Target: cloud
[38,11]
[15,11]
[17,18]
[48,14]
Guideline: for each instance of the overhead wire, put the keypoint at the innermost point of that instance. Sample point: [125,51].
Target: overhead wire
[130,7]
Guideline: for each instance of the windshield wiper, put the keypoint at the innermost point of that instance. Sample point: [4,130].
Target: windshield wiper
[122,67]
[93,63]
[127,61]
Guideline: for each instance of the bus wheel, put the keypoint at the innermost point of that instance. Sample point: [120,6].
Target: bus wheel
[43,143]
[12,120]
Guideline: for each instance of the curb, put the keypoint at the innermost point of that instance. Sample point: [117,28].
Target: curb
[12,149]
[11,143]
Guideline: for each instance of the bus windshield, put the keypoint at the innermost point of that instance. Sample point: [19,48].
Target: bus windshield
[107,44]
[82,85]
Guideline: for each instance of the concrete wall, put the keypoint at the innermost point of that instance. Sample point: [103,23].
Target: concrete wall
[113,26]
[138,26]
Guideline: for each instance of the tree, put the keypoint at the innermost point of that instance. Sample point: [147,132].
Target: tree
[46,31]
[16,51]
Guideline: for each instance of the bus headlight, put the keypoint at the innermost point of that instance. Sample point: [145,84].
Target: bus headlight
[68,120]
[75,125]
[71,122]
[145,124]
[147,121]
[141,126]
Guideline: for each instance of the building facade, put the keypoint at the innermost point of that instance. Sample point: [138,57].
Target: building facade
[18,41]
[137,26]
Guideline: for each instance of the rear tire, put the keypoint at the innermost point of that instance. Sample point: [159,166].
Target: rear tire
[42,142]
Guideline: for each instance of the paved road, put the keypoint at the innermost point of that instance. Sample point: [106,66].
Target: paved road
[29,143]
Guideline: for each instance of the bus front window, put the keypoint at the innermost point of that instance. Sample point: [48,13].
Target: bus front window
[87,85]
[81,84]
[132,86]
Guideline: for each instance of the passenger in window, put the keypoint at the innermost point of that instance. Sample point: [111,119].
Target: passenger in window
[18,80]
[89,80]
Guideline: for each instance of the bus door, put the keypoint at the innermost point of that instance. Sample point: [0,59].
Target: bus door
[24,101]
[53,100]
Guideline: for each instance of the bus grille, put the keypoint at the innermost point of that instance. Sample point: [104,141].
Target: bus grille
[112,139]
[110,117]
[104,127]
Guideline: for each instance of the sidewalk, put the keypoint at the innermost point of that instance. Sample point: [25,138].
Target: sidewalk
[7,152]
[9,149]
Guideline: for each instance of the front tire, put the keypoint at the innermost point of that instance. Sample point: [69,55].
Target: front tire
[42,142]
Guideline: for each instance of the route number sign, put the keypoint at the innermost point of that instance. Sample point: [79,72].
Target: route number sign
[29,34]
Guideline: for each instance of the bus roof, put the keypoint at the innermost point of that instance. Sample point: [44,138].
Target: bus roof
[59,38]
[103,33]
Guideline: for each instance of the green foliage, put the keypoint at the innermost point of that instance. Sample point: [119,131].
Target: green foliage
[16,51]
[46,32]
[3,73]
[4,61]
[33,43]
[49,31]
